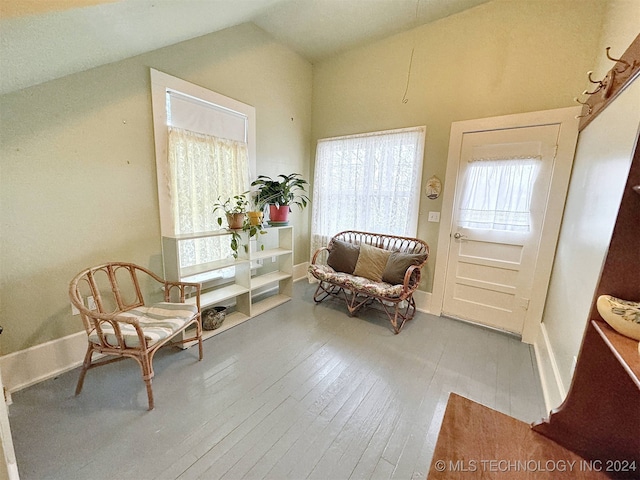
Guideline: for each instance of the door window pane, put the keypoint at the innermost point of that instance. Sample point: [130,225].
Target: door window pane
[497,194]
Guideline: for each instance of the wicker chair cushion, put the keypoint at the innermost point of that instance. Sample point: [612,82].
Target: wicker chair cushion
[361,284]
[157,321]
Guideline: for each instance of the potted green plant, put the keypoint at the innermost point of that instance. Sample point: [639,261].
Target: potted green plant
[280,194]
[256,211]
[235,209]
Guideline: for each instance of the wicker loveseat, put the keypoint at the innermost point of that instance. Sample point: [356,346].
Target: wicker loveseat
[364,267]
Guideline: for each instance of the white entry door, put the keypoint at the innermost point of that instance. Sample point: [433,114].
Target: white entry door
[503,205]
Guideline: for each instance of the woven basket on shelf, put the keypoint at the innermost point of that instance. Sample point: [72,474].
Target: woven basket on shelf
[213,317]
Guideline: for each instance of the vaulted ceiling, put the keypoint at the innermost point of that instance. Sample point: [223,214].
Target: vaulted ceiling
[43,40]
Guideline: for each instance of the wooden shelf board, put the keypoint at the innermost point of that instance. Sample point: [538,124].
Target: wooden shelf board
[249,293]
[219,295]
[272,252]
[625,349]
[191,236]
[268,303]
[232,320]
[187,272]
[263,280]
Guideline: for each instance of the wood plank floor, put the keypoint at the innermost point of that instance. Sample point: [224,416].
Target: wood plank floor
[302,391]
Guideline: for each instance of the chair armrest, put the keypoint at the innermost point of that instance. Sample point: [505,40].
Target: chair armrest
[412,278]
[182,291]
[318,252]
[114,320]
[170,285]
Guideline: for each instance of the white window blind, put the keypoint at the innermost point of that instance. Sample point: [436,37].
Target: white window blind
[199,116]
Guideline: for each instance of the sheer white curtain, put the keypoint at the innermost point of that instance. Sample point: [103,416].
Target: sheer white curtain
[367,182]
[497,194]
[202,168]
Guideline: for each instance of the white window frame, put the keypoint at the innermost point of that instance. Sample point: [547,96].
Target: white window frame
[161,83]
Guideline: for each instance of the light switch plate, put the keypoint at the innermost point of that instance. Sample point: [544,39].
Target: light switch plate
[434,217]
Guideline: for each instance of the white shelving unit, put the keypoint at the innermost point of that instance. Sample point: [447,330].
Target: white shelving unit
[262,279]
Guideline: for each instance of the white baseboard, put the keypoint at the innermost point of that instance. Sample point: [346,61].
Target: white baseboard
[552,387]
[27,367]
[423,301]
[300,271]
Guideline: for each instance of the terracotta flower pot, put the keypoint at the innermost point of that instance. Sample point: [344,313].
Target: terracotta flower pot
[235,220]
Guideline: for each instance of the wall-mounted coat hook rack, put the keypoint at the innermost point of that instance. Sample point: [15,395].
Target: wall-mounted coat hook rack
[625,70]
[626,65]
[589,108]
[597,82]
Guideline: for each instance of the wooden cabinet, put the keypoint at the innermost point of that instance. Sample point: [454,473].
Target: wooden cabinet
[600,418]
[260,278]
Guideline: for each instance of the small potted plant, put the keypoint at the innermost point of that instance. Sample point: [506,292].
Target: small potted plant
[235,209]
[280,195]
[256,211]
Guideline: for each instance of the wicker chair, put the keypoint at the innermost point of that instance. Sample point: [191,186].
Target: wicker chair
[120,324]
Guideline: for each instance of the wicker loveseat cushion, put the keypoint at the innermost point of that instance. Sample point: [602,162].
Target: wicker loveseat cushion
[157,321]
[353,282]
[343,256]
[371,262]
[397,266]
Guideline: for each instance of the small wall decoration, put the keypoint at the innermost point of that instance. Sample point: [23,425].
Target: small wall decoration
[433,188]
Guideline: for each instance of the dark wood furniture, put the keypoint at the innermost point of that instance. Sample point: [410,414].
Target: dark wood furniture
[478,442]
[600,418]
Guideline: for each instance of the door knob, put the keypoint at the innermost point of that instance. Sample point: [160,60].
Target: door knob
[458,236]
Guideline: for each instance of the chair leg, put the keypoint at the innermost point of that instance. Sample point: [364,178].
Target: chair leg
[147,382]
[323,291]
[201,356]
[85,366]
[398,318]
[199,334]
[147,375]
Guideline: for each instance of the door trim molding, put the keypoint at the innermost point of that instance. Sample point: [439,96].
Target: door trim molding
[567,139]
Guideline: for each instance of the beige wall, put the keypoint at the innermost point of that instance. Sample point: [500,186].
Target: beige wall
[77,173]
[599,174]
[78,181]
[499,58]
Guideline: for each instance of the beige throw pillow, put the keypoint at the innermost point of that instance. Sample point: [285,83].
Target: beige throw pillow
[371,262]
